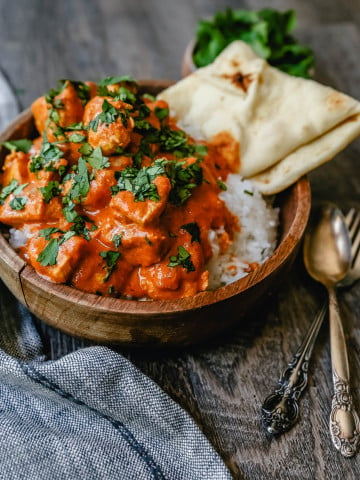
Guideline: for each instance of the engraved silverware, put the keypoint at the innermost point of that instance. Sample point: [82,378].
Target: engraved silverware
[280,410]
[327,257]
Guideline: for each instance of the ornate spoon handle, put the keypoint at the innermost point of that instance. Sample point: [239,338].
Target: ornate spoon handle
[344,421]
[280,409]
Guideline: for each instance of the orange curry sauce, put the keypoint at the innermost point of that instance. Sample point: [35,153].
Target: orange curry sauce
[115,198]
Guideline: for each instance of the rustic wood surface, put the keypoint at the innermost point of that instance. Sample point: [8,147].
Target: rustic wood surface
[221,385]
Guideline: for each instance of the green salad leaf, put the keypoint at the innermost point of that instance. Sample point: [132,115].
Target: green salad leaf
[267,31]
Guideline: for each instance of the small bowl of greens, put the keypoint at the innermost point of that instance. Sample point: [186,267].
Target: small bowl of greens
[267,31]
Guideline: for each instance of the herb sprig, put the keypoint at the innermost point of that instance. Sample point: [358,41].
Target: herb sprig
[267,31]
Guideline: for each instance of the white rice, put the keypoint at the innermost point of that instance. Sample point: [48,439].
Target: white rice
[18,238]
[256,239]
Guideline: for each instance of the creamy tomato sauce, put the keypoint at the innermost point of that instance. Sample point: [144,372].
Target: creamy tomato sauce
[115,199]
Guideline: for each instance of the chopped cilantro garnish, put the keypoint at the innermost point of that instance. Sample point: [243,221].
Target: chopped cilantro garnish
[249,192]
[113,80]
[140,182]
[18,203]
[161,113]
[149,97]
[95,158]
[183,259]
[12,187]
[22,145]
[108,115]
[82,90]
[48,256]
[48,155]
[77,138]
[117,239]
[183,179]
[50,97]
[47,232]
[221,184]
[86,149]
[51,190]
[81,182]
[74,126]
[194,230]
[111,259]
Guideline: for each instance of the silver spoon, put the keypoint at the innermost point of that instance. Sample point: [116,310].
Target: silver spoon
[280,409]
[327,257]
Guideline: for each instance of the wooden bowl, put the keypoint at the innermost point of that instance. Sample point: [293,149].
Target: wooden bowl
[153,323]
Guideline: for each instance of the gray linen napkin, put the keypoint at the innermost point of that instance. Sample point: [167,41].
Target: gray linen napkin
[91,414]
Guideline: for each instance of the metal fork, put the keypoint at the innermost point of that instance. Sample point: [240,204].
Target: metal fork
[352,219]
[280,409]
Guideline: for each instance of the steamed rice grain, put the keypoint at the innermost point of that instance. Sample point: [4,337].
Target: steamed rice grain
[255,241]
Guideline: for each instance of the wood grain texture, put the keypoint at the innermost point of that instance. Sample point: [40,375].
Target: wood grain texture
[221,385]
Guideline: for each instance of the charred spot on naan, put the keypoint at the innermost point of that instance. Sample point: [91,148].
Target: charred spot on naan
[240,80]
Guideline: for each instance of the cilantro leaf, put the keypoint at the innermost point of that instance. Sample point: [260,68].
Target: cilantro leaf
[140,182]
[96,159]
[108,115]
[18,203]
[183,179]
[48,256]
[81,182]
[77,138]
[22,145]
[182,259]
[48,155]
[51,190]
[117,239]
[161,113]
[111,259]
[112,80]
[47,232]
[12,187]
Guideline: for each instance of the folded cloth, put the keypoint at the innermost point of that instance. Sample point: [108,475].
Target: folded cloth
[93,415]
[90,414]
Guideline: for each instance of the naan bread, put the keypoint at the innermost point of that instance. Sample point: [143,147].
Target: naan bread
[285,126]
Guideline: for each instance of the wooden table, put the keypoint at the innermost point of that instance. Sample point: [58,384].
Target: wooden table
[221,385]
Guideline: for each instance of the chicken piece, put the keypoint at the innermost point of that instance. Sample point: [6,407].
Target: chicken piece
[142,212]
[97,273]
[67,105]
[99,194]
[165,282]
[52,174]
[28,206]
[69,255]
[138,245]
[120,162]
[115,130]
[40,110]
[71,149]
[16,168]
